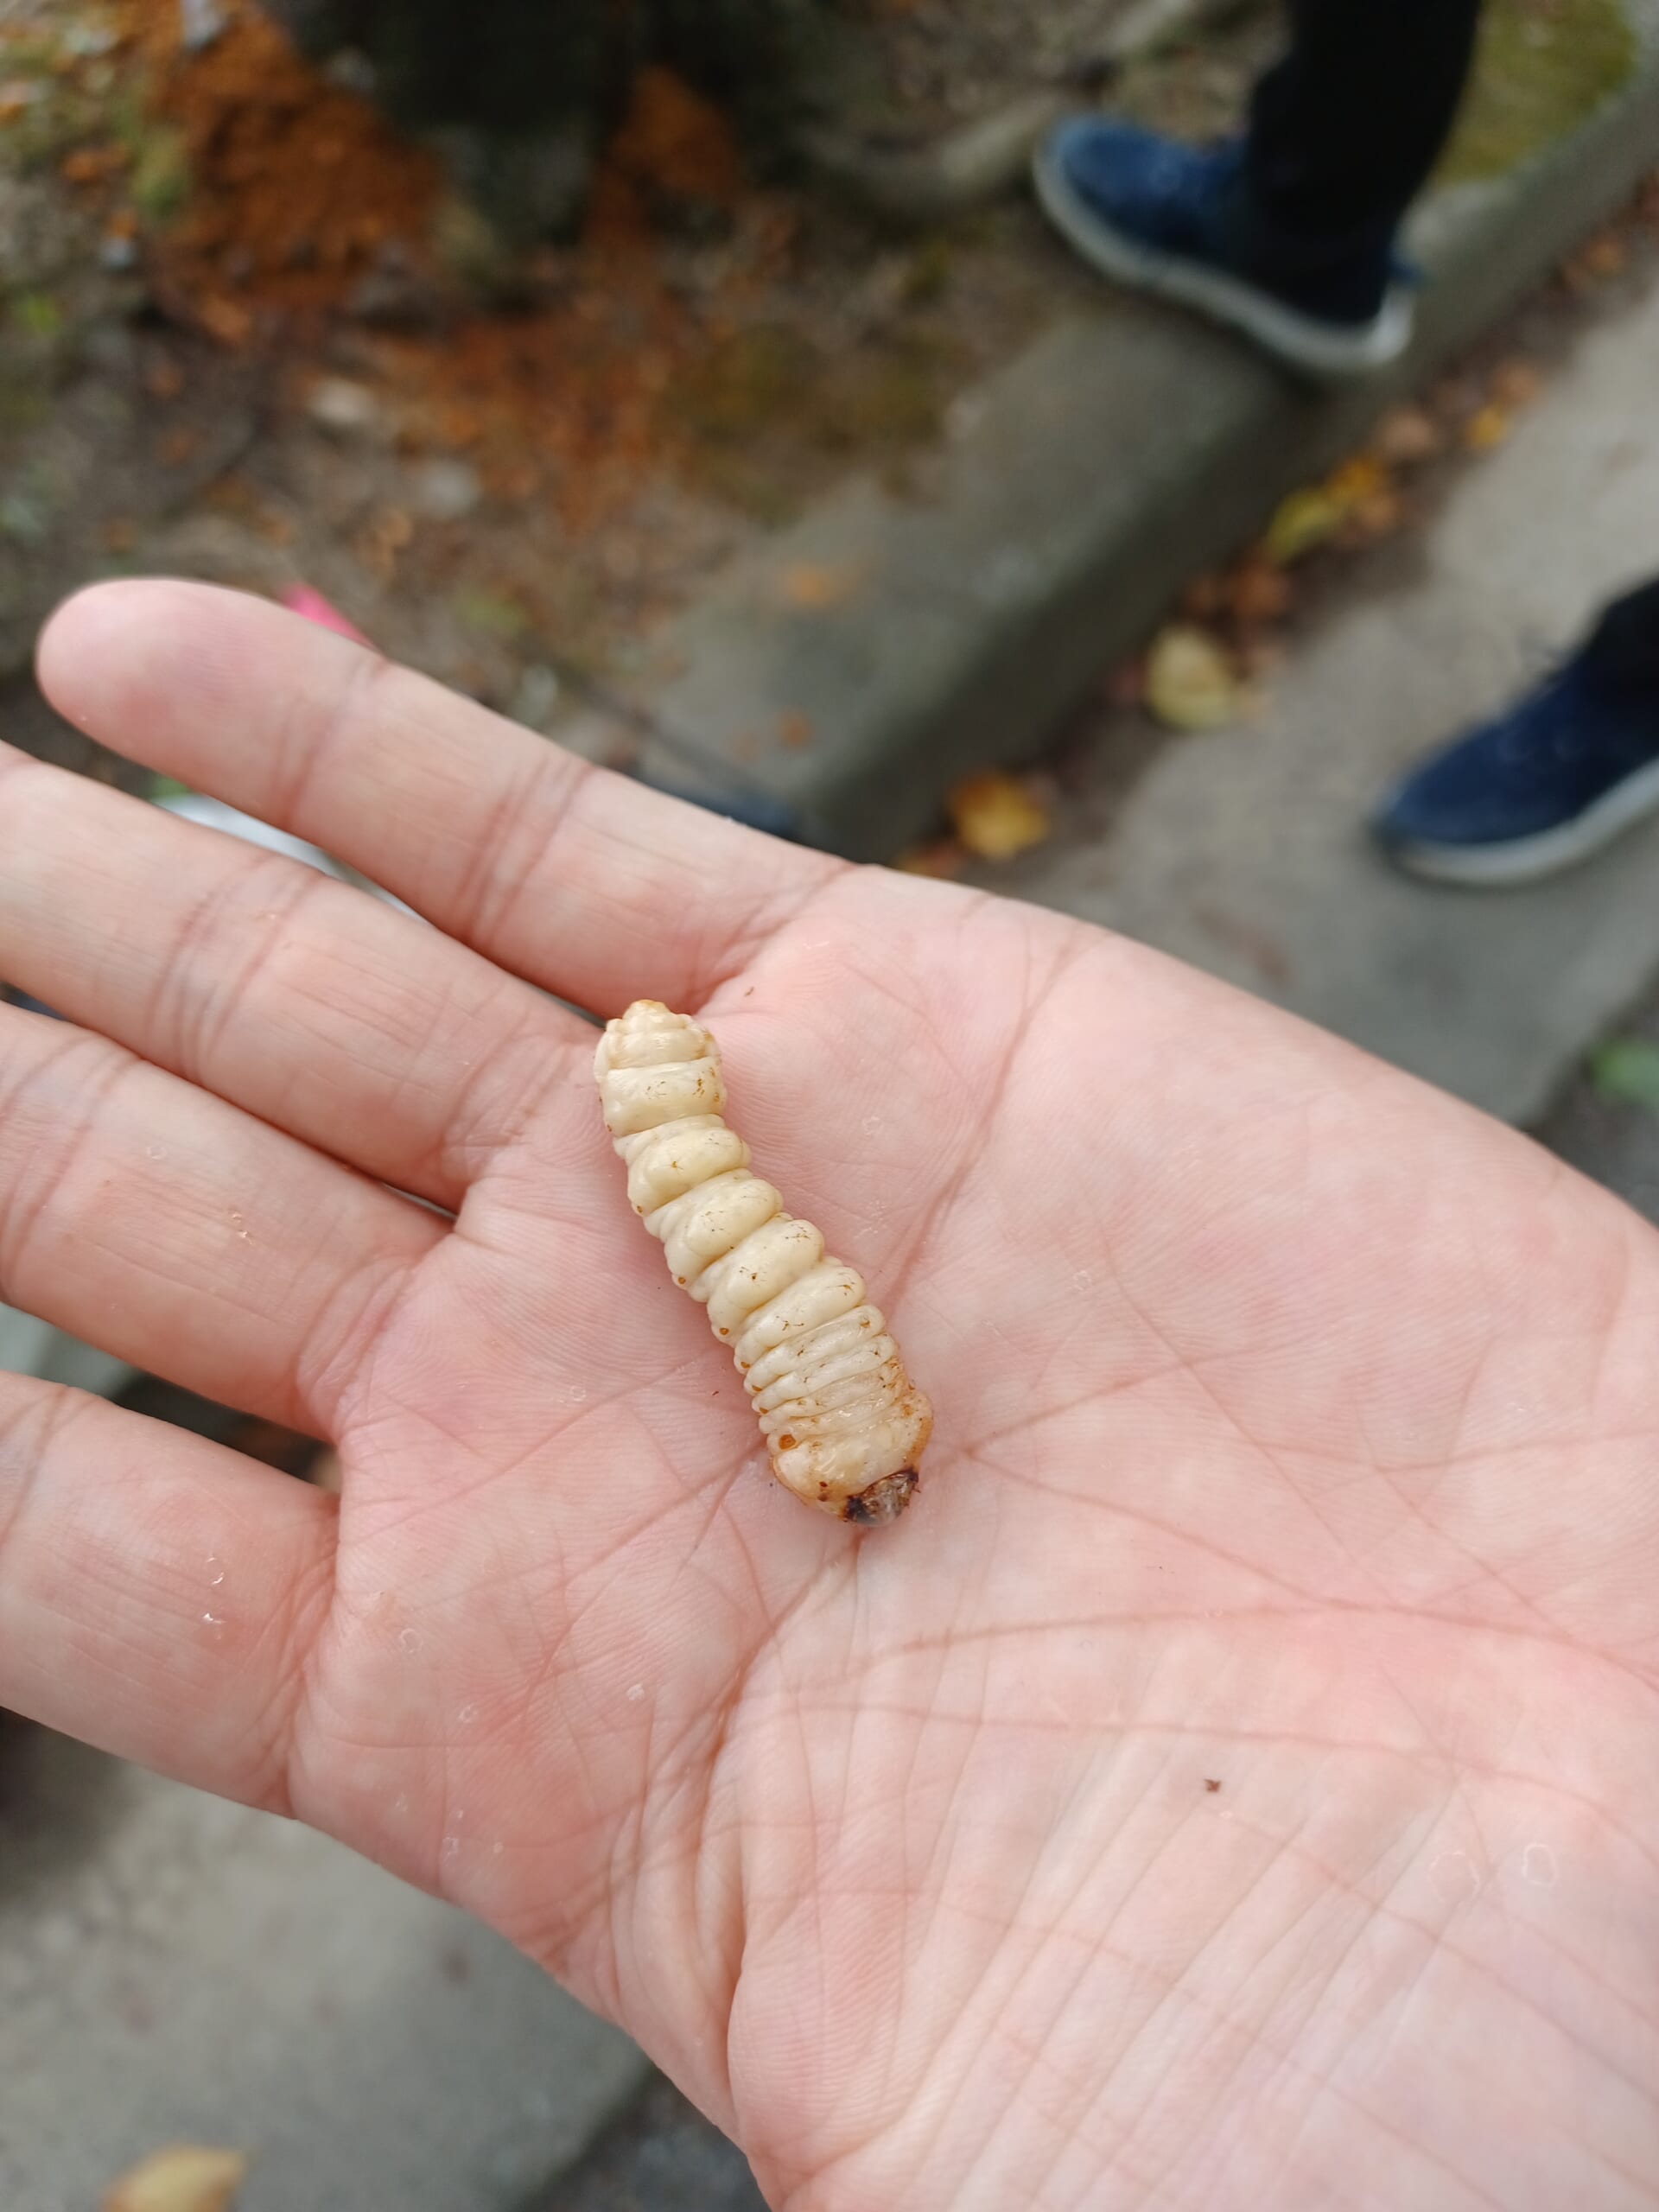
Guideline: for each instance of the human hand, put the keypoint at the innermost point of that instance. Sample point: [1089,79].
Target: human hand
[1233,1781]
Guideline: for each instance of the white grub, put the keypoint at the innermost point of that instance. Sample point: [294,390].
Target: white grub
[844,1425]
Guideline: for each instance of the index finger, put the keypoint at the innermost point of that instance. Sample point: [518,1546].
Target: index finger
[578,880]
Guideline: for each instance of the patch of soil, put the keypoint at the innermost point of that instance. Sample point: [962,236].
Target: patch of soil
[252,339]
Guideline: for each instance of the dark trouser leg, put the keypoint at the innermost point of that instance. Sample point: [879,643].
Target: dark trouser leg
[1622,653]
[1345,132]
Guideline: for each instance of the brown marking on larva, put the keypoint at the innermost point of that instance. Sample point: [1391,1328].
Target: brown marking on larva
[883,1503]
[725,1332]
[681,1280]
[785,1444]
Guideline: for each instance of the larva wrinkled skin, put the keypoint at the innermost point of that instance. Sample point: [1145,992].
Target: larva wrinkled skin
[844,1423]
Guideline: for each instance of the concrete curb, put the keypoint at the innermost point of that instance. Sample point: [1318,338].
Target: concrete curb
[1245,853]
[1125,449]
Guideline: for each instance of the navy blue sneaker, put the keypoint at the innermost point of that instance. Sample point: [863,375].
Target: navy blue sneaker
[1544,785]
[1176,219]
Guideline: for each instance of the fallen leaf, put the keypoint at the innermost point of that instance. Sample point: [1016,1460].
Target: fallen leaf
[944,857]
[184,2179]
[1126,684]
[1604,255]
[1191,682]
[1625,1072]
[1488,427]
[1515,383]
[1593,263]
[1204,597]
[91,164]
[996,816]
[1456,397]
[1362,478]
[225,320]
[811,587]
[383,539]
[1405,436]
[1379,517]
[1300,523]
[1258,592]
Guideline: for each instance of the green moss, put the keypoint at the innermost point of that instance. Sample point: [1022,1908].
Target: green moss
[489,614]
[768,415]
[890,391]
[160,176]
[932,267]
[1545,66]
[746,383]
[37,314]
[24,405]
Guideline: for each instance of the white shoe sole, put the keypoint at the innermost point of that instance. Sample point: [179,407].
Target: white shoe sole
[1529,860]
[1304,343]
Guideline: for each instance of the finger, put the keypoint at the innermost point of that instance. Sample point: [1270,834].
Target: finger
[578,880]
[156,1590]
[182,1235]
[299,998]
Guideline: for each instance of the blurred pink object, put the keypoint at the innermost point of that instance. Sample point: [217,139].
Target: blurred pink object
[300,599]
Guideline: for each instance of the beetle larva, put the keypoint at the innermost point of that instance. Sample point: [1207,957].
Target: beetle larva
[844,1423]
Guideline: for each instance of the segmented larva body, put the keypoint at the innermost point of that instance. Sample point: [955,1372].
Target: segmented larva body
[844,1423]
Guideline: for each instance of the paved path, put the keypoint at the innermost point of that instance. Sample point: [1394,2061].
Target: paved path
[1241,852]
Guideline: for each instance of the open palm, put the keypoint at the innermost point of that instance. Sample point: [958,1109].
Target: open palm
[1235,1781]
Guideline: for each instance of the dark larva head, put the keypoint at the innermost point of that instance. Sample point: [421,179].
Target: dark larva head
[883,1502]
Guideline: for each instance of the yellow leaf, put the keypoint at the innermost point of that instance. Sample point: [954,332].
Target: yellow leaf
[1604,255]
[1515,383]
[1406,436]
[1487,427]
[184,2179]
[812,587]
[1300,523]
[1379,516]
[995,817]
[1191,682]
[1358,479]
